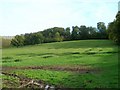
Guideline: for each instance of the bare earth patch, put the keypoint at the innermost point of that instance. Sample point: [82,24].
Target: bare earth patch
[78,69]
[25,82]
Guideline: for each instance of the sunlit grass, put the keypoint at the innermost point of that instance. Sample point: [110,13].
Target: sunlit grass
[97,54]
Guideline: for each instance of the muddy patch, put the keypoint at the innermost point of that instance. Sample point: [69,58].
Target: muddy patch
[79,69]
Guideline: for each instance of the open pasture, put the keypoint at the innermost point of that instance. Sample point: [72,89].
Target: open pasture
[70,64]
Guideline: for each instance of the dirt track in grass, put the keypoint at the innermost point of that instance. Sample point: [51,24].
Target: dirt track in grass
[79,69]
[25,82]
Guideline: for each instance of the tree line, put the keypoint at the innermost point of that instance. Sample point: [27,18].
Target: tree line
[114,29]
[58,34]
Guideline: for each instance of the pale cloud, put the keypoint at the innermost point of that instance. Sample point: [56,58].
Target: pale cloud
[24,16]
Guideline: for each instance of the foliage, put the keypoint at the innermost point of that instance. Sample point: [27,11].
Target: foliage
[33,38]
[84,32]
[54,34]
[58,38]
[114,29]
[102,30]
[67,35]
[57,34]
[27,39]
[18,40]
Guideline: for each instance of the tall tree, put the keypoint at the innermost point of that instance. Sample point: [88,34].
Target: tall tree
[38,38]
[83,32]
[58,38]
[75,33]
[28,39]
[18,40]
[114,29]
[67,33]
[102,30]
[92,33]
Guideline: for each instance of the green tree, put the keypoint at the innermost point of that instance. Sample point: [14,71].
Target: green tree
[92,33]
[39,38]
[75,33]
[114,29]
[83,32]
[67,33]
[27,40]
[58,38]
[33,38]
[49,34]
[110,30]
[18,40]
[102,30]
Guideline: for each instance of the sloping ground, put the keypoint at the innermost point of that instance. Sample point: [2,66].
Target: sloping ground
[77,64]
[25,82]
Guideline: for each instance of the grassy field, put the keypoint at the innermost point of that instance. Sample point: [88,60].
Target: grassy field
[70,64]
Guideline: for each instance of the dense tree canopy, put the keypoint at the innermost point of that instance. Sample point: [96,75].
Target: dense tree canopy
[114,29]
[75,33]
[67,34]
[57,34]
[18,40]
[102,30]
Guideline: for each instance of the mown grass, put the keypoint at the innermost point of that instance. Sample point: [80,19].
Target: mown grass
[98,54]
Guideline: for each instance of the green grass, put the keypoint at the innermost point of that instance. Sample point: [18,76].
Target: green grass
[97,54]
[72,80]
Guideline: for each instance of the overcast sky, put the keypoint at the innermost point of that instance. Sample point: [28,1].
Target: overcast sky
[25,16]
